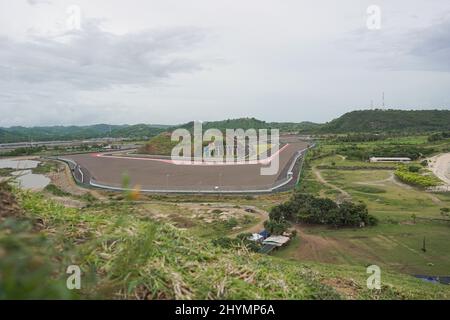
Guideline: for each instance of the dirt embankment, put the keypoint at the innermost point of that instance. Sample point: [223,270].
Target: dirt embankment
[440,165]
[8,204]
[63,179]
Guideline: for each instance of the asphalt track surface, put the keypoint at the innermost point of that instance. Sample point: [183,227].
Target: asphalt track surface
[149,173]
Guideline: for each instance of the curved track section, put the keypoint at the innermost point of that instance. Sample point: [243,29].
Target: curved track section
[107,171]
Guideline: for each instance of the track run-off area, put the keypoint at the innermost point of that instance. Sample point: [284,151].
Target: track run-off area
[161,175]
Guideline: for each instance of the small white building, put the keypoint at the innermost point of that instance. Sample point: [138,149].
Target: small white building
[276,240]
[389,159]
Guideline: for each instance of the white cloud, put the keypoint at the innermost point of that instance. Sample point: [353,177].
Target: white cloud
[275,60]
[93,59]
[37,2]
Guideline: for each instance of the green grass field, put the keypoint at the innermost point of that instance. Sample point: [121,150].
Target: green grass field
[407,215]
[125,254]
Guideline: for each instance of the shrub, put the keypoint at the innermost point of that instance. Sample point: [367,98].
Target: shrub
[310,209]
[413,168]
[276,227]
[416,179]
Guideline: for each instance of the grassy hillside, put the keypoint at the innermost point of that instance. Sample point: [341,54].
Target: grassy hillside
[390,120]
[159,145]
[125,254]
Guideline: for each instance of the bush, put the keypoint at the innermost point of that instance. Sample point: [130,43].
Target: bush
[276,227]
[413,168]
[415,179]
[310,209]
[240,240]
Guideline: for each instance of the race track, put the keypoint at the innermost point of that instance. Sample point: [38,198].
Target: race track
[154,175]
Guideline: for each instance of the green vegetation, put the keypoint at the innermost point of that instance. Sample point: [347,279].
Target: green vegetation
[126,255]
[363,153]
[26,267]
[239,242]
[309,209]
[22,134]
[368,189]
[6,172]
[364,123]
[361,137]
[26,257]
[276,227]
[252,123]
[439,136]
[390,120]
[22,152]
[45,167]
[414,178]
[405,214]
[159,145]
[56,191]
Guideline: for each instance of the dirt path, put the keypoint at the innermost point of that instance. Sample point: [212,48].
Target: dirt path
[264,216]
[381,183]
[314,247]
[440,165]
[344,193]
[394,180]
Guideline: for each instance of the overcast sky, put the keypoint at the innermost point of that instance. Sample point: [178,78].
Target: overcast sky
[173,61]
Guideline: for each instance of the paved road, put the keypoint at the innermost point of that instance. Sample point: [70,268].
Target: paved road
[157,175]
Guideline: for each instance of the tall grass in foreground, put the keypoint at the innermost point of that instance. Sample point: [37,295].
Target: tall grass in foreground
[124,254]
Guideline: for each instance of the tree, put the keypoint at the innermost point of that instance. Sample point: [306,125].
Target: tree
[276,227]
[310,209]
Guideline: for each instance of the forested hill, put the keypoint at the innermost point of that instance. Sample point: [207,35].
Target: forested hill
[252,123]
[390,120]
[355,121]
[23,134]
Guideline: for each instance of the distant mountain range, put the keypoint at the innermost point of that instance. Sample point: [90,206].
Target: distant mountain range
[356,121]
[23,134]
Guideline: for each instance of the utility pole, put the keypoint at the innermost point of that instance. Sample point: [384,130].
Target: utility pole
[383,101]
